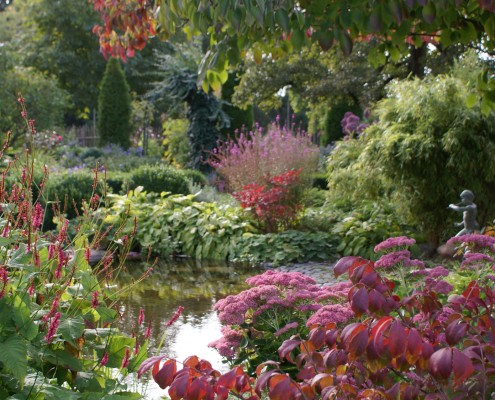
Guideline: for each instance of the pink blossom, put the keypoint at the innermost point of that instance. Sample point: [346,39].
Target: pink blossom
[141,316]
[288,327]
[147,334]
[470,258]
[52,329]
[391,259]
[94,302]
[398,241]
[104,359]
[474,239]
[227,344]
[125,360]
[295,279]
[176,316]
[332,313]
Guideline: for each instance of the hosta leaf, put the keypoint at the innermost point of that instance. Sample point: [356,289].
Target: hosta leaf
[71,328]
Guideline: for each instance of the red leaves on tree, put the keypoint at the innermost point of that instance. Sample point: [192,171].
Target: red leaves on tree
[447,360]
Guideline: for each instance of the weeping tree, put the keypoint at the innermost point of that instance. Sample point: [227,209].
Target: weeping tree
[114,107]
[204,113]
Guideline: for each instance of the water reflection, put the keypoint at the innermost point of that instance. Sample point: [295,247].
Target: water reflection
[194,285]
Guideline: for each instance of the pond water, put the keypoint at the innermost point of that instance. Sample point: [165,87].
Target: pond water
[194,285]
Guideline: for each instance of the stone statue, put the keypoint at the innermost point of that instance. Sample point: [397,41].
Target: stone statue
[469,211]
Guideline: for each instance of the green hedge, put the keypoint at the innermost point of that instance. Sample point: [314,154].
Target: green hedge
[160,178]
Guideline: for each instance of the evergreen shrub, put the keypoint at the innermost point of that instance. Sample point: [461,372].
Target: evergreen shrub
[159,178]
[114,107]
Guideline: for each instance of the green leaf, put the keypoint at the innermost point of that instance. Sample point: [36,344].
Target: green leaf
[13,354]
[71,328]
[22,318]
[471,100]
[136,361]
[19,258]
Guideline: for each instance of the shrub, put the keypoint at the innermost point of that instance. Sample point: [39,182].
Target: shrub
[67,192]
[176,142]
[320,181]
[159,178]
[255,158]
[286,247]
[114,107]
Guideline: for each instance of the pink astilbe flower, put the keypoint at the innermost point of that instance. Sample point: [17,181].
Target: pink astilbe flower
[399,241]
[52,329]
[332,313]
[38,216]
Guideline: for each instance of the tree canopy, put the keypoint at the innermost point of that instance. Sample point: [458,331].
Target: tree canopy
[262,28]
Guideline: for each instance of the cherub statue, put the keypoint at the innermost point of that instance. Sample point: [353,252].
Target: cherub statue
[469,211]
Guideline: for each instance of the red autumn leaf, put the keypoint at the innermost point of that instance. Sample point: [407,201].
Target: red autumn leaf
[322,380]
[360,301]
[199,389]
[455,332]
[165,376]
[462,365]
[221,392]
[179,387]
[227,380]
[262,381]
[441,363]
[358,343]
[397,339]
[331,337]
[148,363]
[259,368]
[286,348]
[369,277]
[280,388]
[413,346]
[241,382]
[377,301]
[344,264]
[317,337]
[191,361]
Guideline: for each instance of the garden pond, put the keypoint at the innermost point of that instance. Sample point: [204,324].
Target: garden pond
[192,284]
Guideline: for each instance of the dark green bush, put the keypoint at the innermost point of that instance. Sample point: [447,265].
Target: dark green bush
[114,107]
[320,181]
[195,176]
[66,192]
[159,178]
[117,182]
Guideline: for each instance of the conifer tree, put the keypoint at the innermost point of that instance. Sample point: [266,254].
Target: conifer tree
[114,107]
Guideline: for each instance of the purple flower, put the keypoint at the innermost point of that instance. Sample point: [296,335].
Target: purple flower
[392,259]
[294,279]
[437,272]
[286,328]
[398,241]
[471,258]
[332,313]
[475,239]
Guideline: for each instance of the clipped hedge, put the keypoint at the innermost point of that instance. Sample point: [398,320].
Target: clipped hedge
[161,178]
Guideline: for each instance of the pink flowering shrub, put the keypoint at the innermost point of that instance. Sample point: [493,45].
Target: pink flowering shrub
[257,157]
[267,172]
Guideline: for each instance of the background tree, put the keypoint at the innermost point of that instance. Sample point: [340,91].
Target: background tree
[277,27]
[114,107]
[424,149]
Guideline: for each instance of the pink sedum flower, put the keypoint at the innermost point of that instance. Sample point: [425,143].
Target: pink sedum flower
[399,241]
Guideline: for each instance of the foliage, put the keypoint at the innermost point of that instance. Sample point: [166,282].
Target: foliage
[275,204]
[59,43]
[175,224]
[427,141]
[58,337]
[275,28]
[332,128]
[286,247]
[400,335]
[256,158]
[204,114]
[320,181]
[42,94]
[67,193]
[239,118]
[176,142]
[160,178]
[114,107]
